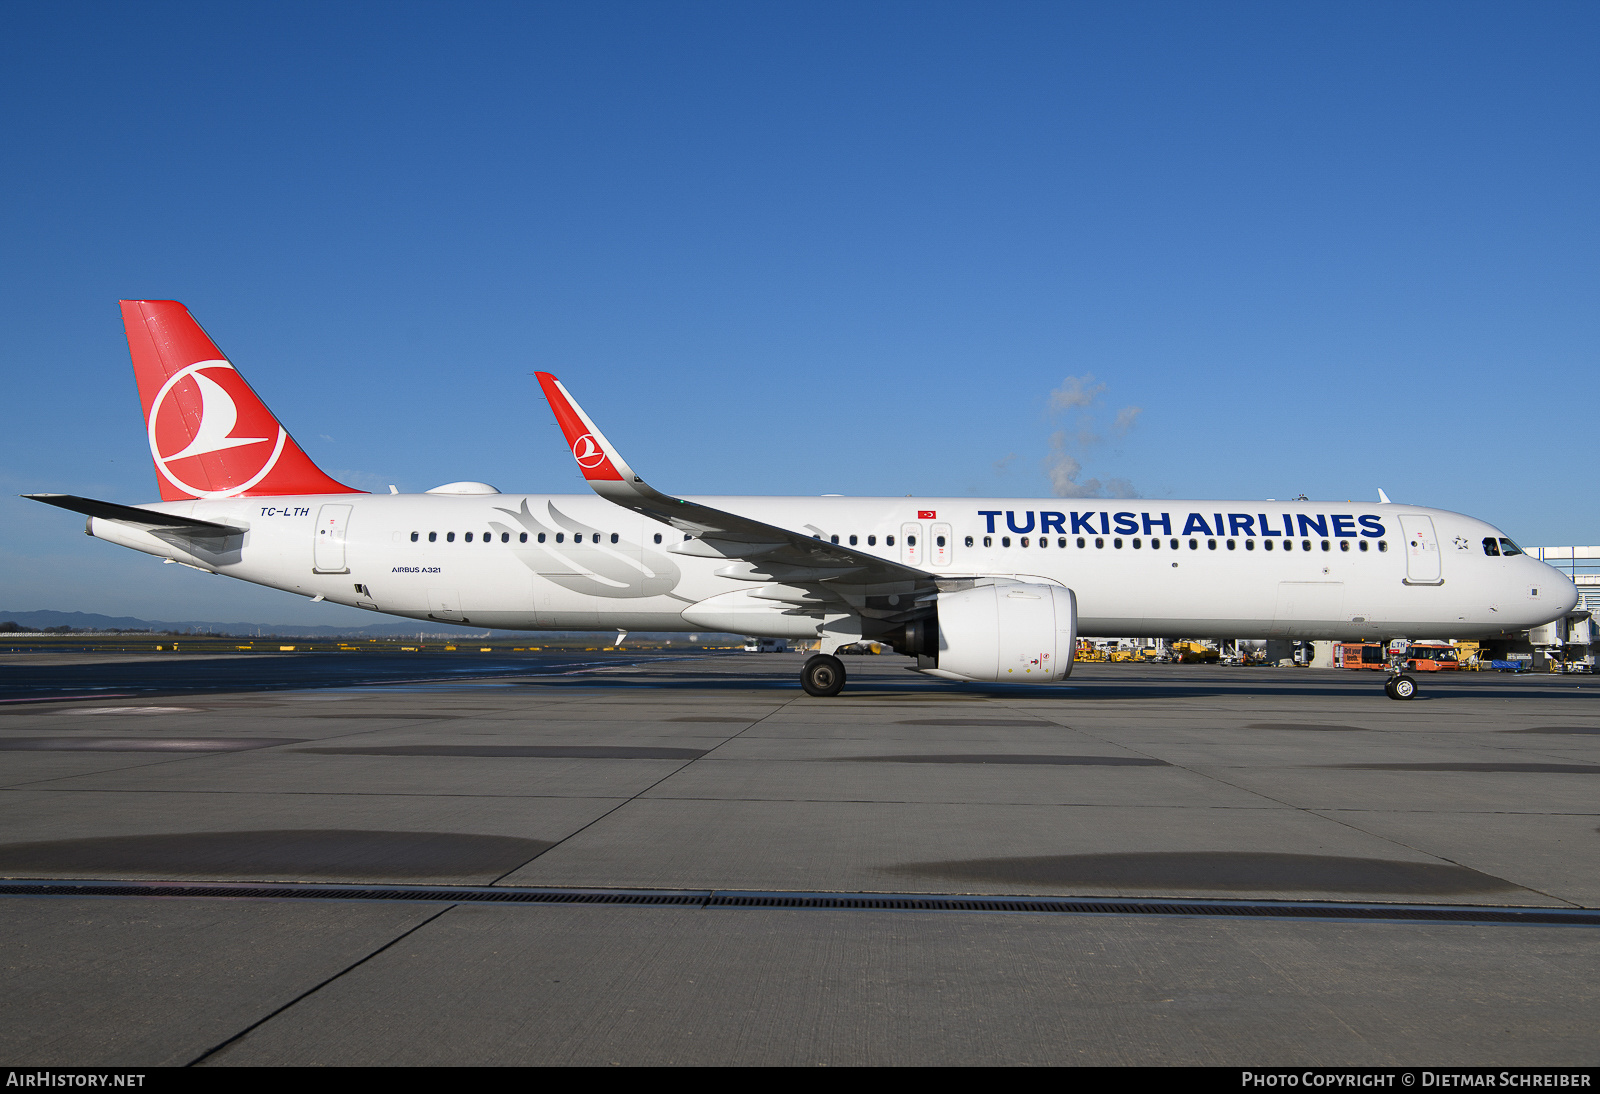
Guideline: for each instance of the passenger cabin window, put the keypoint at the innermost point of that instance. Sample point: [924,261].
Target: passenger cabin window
[613,537]
[1117,543]
[1363,545]
[468,537]
[1080,543]
[414,538]
[1249,545]
[853,541]
[560,536]
[911,541]
[449,537]
[969,541]
[833,539]
[1383,545]
[541,537]
[1024,541]
[1099,544]
[937,542]
[872,541]
[1266,545]
[1137,544]
[1005,541]
[1491,546]
[1062,542]
[1211,545]
[522,537]
[888,541]
[658,537]
[1344,545]
[433,537]
[1230,545]
[988,541]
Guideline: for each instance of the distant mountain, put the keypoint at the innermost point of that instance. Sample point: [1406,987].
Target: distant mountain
[89,621]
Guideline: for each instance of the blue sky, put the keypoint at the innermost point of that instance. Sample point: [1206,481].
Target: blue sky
[820,248]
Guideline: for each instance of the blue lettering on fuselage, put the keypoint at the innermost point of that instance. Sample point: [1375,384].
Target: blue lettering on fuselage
[1237,524]
[1011,522]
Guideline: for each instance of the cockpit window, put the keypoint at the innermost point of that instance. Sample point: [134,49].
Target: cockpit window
[1491,546]
[1509,548]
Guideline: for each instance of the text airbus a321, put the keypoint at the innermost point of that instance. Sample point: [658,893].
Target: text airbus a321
[977,590]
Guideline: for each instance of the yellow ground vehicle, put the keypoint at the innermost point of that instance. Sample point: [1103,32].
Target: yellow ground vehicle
[1194,653]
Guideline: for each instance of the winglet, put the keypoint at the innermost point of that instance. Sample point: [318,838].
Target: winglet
[1383,499]
[597,457]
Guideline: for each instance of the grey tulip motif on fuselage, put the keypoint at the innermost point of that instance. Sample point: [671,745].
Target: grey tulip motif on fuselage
[591,564]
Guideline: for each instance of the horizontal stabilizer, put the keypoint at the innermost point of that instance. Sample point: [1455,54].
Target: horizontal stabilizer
[141,518]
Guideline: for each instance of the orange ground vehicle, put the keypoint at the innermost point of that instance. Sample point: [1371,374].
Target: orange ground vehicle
[1432,657]
[1420,657]
[1359,655]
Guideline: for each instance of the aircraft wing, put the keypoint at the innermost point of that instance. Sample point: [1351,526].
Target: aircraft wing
[755,551]
[148,519]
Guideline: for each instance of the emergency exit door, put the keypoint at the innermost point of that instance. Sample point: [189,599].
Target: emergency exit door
[911,545]
[327,552]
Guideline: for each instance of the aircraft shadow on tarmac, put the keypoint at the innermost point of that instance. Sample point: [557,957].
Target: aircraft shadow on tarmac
[340,854]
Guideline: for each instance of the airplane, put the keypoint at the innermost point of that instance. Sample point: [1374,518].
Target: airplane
[987,590]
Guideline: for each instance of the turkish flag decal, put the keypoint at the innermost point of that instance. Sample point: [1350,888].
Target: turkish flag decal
[926,514]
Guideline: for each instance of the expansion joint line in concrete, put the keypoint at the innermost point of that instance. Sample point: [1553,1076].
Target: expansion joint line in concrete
[642,791]
[258,1023]
[781,900]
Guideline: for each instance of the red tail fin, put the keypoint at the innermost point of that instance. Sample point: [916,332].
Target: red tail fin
[210,435]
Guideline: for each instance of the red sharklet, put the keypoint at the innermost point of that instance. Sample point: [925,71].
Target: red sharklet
[210,435]
[588,446]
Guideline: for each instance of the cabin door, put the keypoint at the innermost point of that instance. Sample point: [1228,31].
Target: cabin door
[327,550]
[1422,550]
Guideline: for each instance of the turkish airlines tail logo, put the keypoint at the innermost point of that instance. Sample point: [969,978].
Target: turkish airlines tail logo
[210,435]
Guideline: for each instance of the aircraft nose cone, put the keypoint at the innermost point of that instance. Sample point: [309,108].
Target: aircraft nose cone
[1569,597]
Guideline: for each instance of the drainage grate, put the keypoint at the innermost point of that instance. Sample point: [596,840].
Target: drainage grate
[909,902]
[885,902]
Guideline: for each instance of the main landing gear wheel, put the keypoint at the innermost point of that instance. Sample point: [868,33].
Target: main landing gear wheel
[1400,687]
[823,675]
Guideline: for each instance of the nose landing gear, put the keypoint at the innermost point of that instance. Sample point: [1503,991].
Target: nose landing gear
[822,676]
[1400,687]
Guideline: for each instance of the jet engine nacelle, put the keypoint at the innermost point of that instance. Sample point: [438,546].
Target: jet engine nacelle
[1021,634]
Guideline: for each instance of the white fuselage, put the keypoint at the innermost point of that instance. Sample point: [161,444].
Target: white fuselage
[1137,567]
